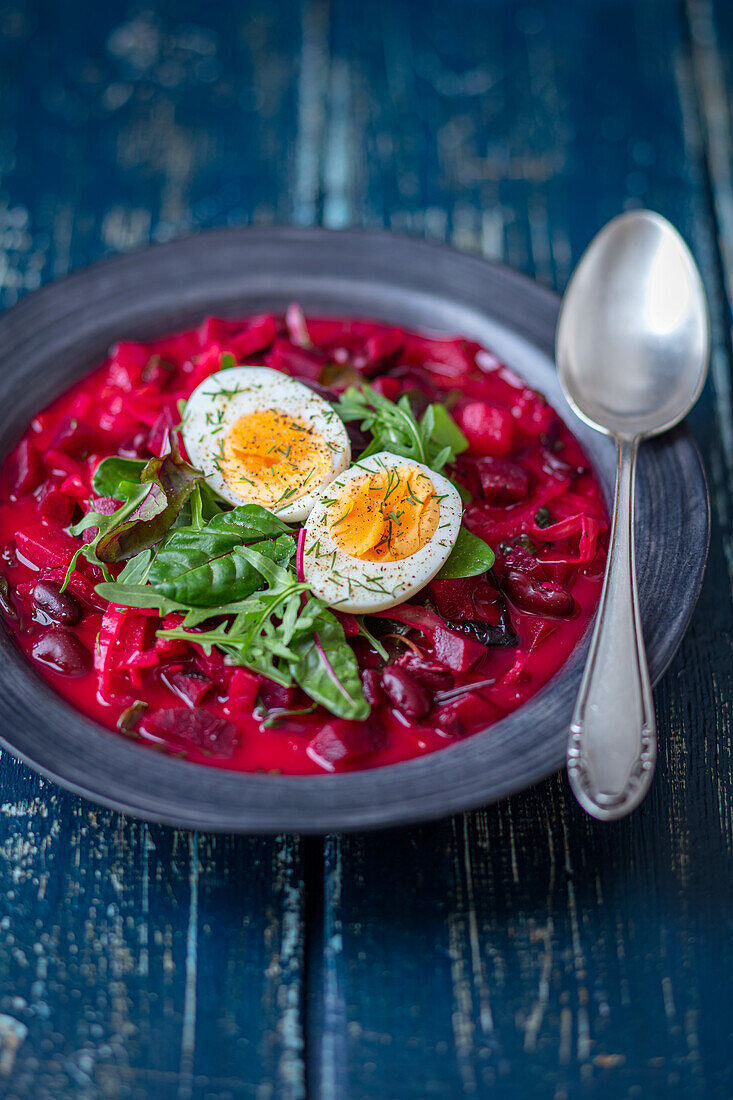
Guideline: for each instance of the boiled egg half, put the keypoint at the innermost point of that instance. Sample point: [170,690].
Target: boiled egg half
[379,532]
[263,438]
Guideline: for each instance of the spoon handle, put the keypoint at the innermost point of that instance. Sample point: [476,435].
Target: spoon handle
[613,738]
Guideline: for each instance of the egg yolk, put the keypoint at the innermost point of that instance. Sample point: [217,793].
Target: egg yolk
[385,516]
[272,458]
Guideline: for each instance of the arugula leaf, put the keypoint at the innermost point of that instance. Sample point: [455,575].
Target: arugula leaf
[434,440]
[117,477]
[326,668]
[136,569]
[445,432]
[136,595]
[207,568]
[249,600]
[469,557]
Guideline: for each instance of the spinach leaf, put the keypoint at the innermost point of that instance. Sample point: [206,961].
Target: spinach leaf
[206,568]
[117,477]
[250,522]
[326,668]
[470,557]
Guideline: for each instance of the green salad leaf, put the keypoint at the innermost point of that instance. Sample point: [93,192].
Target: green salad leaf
[433,440]
[469,557]
[233,575]
[118,477]
[206,568]
[326,668]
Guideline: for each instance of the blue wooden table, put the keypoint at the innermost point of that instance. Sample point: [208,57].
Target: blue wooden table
[519,951]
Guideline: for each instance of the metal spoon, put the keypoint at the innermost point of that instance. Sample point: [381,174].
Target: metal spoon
[633,341]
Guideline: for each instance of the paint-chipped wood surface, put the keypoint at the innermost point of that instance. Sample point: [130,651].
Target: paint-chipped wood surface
[519,951]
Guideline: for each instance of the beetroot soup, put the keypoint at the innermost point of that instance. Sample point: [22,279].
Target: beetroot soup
[299,545]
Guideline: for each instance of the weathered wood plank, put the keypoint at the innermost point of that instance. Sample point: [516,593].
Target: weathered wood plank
[138,961]
[525,950]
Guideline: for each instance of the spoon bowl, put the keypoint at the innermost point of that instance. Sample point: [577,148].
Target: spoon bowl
[633,332]
[632,350]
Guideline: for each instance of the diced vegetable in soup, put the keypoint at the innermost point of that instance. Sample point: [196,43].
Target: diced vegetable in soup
[299,545]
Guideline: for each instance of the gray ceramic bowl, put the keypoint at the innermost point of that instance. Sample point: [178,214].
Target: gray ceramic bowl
[54,336]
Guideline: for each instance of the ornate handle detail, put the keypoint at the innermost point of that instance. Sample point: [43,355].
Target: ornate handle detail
[613,737]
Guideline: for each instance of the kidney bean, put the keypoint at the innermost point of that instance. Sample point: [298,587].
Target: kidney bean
[405,692]
[58,606]
[61,651]
[540,598]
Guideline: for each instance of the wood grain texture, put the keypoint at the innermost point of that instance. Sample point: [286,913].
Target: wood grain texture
[525,950]
[520,951]
[136,961]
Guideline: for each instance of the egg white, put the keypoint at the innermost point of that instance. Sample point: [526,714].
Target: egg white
[229,394]
[350,584]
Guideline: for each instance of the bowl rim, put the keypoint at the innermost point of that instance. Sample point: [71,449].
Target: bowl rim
[45,729]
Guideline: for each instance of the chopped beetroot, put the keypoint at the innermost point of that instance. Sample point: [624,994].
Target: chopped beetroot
[56,507]
[405,692]
[184,727]
[74,437]
[206,364]
[371,683]
[46,546]
[447,361]
[242,695]
[440,671]
[256,337]
[382,349]
[190,686]
[298,362]
[212,665]
[349,623]
[61,463]
[297,326]
[172,648]
[340,742]
[23,470]
[390,388]
[466,714]
[158,373]
[466,598]
[214,330]
[160,433]
[455,651]
[274,696]
[430,674]
[489,429]
[500,481]
[127,364]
